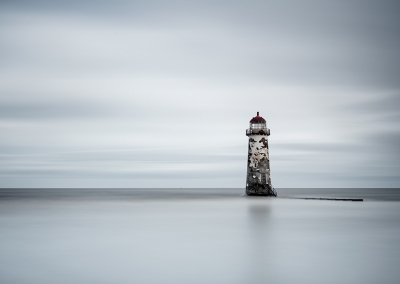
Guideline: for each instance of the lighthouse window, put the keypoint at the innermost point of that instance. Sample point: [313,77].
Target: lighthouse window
[257,125]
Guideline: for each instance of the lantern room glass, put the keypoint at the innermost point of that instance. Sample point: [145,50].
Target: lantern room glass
[258,126]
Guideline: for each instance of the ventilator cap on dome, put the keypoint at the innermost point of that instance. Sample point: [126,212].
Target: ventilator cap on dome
[257,119]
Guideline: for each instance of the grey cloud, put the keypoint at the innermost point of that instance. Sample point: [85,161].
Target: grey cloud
[314,147]
[123,169]
[142,155]
[48,110]
[384,105]
[320,43]
[74,174]
[386,145]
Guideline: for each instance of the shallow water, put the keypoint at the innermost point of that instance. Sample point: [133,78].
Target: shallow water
[198,236]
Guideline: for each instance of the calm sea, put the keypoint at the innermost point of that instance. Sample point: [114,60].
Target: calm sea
[198,236]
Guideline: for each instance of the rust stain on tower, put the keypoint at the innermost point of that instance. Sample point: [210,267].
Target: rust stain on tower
[258,168]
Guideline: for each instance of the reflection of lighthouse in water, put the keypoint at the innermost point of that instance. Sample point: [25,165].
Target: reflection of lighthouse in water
[258,169]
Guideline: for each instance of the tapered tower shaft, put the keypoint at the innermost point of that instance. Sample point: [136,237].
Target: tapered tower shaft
[258,167]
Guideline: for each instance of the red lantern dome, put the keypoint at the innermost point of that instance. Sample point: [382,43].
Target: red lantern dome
[257,119]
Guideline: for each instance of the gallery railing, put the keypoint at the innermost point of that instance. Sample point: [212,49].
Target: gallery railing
[259,131]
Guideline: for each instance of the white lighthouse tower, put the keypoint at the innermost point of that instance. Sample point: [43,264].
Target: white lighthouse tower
[258,170]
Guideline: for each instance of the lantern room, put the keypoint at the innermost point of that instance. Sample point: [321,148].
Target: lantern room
[258,125]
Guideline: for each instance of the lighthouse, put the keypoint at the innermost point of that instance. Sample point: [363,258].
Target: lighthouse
[258,180]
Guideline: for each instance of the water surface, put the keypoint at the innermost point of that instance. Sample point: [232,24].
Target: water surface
[198,236]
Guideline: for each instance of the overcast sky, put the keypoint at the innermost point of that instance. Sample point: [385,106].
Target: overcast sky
[159,93]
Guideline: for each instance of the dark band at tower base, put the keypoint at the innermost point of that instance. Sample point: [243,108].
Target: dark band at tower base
[260,190]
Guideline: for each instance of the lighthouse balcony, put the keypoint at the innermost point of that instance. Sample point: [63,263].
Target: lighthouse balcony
[258,131]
